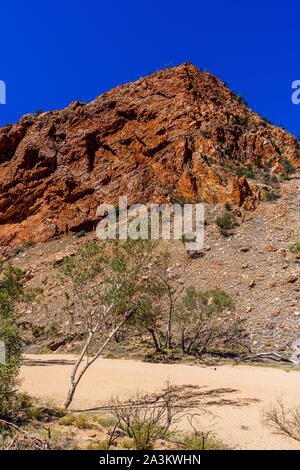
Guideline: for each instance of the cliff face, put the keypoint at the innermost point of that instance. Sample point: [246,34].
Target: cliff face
[166,136]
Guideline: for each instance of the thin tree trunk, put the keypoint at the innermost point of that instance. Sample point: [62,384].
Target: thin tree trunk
[75,381]
[183,341]
[170,325]
[156,339]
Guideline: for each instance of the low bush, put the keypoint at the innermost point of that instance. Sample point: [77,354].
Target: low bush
[199,441]
[295,248]
[188,237]
[225,222]
[198,318]
[81,234]
[288,167]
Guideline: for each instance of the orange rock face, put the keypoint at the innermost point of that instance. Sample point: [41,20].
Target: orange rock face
[164,137]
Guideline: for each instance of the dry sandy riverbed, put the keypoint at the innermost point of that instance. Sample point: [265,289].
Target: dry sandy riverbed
[235,395]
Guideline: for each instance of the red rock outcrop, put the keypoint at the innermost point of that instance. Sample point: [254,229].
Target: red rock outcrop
[166,136]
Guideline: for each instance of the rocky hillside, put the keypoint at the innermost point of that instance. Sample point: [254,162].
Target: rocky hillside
[256,265]
[176,134]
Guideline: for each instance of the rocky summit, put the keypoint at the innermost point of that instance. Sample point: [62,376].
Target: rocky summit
[177,134]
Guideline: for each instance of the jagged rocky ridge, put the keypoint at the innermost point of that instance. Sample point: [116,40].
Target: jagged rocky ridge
[170,135]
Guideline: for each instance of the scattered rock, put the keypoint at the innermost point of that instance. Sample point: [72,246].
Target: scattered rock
[275,313]
[292,278]
[271,247]
[60,257]
[54,345]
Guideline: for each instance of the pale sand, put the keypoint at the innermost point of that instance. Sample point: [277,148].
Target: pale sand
[237,396]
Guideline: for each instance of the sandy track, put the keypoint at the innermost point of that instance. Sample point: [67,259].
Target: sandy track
[236,395]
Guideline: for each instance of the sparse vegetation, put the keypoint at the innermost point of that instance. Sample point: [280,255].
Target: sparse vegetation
[283,420]
[105,420]
[188,237]
[200,323]
[240,171]
[267,121]
[295,248]
[258,161]
[288,167]
[145,418]
[199,441]
[226,222]
[272,195]
[81,234]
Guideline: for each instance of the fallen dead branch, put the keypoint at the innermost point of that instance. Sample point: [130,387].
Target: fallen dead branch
[23,439]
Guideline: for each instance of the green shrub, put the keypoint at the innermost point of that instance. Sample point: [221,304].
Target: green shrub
[144,434]
[98,445]
[32,293]
[105,421]
[188,237]
[82,422]
[258,161]
[272,195]
[197,316]
[127,443]
[29,243]
[199,442]
[267,121]
[38,331]
[225,222]
[250,174]
[53,330]
[34,413]
[220,300]
[10,370]
[11,290]
[288,167]
[67,420]
[295,248]
[81,234]
[267,166]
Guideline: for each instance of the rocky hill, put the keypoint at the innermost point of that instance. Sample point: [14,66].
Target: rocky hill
[178,134]
[256,265]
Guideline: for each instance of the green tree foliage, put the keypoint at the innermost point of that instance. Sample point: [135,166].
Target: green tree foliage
[198,317]
[11,290]
[107,289]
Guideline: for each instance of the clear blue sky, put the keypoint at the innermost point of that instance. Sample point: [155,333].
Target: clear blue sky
[53,53]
